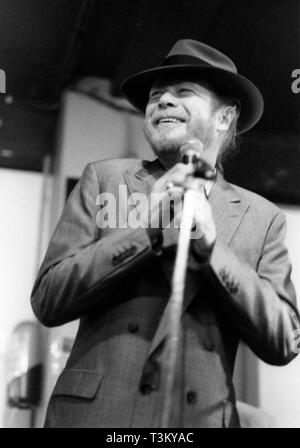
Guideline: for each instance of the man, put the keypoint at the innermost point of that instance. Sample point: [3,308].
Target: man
[117,280]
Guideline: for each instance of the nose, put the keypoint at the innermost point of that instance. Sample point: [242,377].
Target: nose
[167,100]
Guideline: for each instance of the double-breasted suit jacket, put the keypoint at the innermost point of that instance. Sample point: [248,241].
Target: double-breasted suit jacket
[119,287]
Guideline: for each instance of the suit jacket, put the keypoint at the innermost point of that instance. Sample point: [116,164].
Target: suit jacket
[119,288]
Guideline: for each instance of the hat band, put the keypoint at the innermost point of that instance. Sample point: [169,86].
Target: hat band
[180,59]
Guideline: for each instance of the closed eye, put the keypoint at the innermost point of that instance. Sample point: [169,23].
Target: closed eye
[154,94]
[185,90]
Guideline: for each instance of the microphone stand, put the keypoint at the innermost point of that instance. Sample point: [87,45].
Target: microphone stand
[178,284]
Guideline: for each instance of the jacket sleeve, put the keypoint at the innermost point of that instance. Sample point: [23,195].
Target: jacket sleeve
[80,269]
[260,303]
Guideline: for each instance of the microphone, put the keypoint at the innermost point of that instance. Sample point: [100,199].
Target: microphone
[191,152]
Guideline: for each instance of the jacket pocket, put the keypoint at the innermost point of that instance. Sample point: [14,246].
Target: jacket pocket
[78,383]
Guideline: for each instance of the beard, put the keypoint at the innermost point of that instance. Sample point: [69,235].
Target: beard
[164,145]
[167,145]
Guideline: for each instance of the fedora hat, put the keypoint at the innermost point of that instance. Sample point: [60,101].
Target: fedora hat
[192,58]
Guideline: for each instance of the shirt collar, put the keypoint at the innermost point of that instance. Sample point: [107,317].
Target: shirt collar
[208,186]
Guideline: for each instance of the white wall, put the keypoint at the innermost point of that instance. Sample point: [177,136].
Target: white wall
[90,131]
[279,387]
[20,202]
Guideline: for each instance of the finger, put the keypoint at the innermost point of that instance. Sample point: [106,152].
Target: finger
[182,170]
[197,231]
[175,192]
[176,176]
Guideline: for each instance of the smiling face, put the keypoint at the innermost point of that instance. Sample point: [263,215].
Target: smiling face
[179,110]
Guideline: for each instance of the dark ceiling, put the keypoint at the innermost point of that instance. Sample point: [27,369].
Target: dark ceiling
[46,46]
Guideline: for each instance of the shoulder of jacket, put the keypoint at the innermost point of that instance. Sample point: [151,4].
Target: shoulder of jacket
[121,164]
[257,201]
[108,168]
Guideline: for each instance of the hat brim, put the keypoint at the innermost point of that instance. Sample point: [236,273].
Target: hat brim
[136,89]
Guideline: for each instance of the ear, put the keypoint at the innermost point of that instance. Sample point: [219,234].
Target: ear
[225,116]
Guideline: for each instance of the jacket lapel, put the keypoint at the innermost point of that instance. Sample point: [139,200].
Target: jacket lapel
[228,209]
[142,180]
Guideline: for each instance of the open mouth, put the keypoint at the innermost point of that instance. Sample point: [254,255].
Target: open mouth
[168,120]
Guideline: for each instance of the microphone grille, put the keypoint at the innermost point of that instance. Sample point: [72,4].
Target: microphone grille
[191,151]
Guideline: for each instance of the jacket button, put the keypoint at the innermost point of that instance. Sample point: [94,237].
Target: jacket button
[133,328]
[223,274]
[122,256]
[145,389]
[157,245]
[133,250]
[234,287]
[115,260]
[126,253]
[191,397]
[209,346]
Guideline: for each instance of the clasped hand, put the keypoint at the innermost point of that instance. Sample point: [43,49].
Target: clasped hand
[172,185]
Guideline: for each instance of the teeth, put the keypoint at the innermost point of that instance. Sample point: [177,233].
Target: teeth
[170,120]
